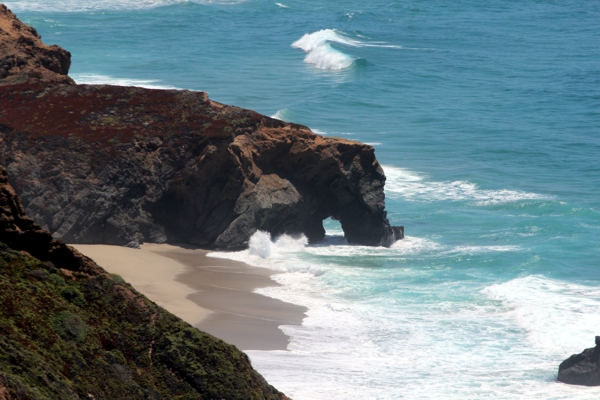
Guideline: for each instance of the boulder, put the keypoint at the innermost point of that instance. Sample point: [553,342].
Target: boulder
[583,368]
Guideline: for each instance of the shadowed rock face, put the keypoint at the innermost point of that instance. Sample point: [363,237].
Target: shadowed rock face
[123,165]
[582,369]
[19,232]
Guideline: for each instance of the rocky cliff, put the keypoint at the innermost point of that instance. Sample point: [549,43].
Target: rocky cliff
[70,330]
[124,165]
[23,56]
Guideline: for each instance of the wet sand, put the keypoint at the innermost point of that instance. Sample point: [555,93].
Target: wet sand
[214,295]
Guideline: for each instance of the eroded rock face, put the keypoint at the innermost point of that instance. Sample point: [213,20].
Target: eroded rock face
[20,232]
[583,368]
[122,165]
[23,56]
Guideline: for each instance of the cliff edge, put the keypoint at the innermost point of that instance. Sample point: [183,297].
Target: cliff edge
[123,165]
[23,56]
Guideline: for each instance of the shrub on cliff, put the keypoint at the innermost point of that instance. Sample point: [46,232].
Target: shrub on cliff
[69,335]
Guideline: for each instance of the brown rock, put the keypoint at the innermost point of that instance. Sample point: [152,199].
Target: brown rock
[124,165]
[23,56]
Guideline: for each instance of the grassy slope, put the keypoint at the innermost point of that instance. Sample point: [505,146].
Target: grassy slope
[71,335]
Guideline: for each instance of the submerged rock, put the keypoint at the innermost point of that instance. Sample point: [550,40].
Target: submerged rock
[120,165]
[583,368]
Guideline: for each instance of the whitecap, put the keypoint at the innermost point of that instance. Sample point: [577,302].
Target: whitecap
[282,115]
[281,5]
[557,315]
[96,79]
[411,186]
[320,52]
[104,5]
[318,131]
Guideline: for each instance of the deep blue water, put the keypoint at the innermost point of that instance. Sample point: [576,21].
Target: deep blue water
[486,117]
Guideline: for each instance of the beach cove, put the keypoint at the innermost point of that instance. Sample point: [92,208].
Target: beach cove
[214,295]
[484,117]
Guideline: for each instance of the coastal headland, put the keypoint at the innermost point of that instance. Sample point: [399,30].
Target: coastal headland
[99,164]
[108,166]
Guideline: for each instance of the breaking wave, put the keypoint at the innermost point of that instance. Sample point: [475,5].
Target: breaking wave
[409,186]
[82,6]
[322,53]
[96,79]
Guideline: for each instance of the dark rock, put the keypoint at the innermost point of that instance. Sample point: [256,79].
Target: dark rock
[583,368]
[19,232]
[119,165]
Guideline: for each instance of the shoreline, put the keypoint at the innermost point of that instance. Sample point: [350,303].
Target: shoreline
[212,294]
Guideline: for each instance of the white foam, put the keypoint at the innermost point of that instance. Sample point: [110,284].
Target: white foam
[375,348]
[410,186]
[262,252]
[558,316]
[281,114]
[78,6]
[281,5]
[318,131]
[332,133]
[483,249]
[97,5]
[444,339]
[320,52]
[96,79]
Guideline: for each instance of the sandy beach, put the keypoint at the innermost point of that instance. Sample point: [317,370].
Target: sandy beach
[214,295]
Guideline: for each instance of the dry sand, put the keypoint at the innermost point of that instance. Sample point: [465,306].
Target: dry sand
[214,295]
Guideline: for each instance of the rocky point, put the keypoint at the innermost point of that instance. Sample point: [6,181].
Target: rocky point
[126,165]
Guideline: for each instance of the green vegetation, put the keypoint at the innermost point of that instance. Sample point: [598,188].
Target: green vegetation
[67,335]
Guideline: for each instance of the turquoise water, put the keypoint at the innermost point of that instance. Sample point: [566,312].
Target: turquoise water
[486,118]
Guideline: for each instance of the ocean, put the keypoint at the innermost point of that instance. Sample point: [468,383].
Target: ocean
[486,119]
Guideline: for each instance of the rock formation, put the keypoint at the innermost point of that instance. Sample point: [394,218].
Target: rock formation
[70,330]
[583,368]
[123,165]
[23,56]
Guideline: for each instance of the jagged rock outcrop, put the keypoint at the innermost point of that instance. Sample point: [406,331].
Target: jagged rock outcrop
[123,165]
[583,368]
[23,56]
[70,330]
[20,232]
